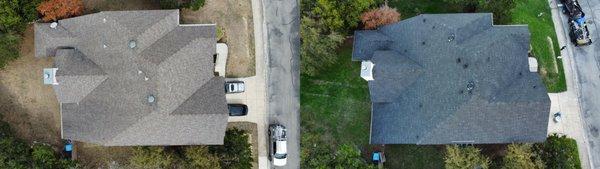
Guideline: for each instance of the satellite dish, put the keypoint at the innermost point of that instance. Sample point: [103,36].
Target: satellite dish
[46,75]
[53,25]
[132,44]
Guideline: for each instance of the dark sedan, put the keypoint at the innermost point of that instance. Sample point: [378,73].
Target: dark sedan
[237,109]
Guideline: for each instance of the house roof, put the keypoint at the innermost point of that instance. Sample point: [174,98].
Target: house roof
[452,78]
[112,64]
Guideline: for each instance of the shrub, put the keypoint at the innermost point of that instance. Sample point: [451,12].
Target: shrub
[235,153]
[151,157]
[9,48]
[338,16]
[521,156]
[10,20]
[59,9]
[559,152]
[317,49]
[380,16]
[45,157]
[169,4]
[465,157]
[196,4]
[200,157]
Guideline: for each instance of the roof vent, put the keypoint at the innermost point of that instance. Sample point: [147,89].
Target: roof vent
[132,44]
[366,70]
[103,20]
[470,86]
[53,25]
[451,37]
[151,99]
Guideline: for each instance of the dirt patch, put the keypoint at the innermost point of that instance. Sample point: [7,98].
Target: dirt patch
[96,156]
[30,107]
[252,129]
[93,6]
[235,17]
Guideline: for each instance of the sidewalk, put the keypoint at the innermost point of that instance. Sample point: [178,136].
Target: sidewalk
[568,102]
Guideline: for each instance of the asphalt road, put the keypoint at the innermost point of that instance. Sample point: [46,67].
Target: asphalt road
[282,18]
[587,60]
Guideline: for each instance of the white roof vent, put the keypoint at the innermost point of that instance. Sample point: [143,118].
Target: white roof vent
[366,70]
[53,25]
[151,99]
[533,64]
[132,44]
[49,76]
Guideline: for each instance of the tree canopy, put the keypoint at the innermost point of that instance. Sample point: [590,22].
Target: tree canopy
[54,10]
[465,157]
[379,16]
[521,156]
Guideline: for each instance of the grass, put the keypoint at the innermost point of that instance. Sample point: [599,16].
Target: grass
[336,103]
[336,107]
[413,156]
[525,12]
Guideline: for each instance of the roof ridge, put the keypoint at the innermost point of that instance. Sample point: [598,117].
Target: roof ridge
[150,28]
[208,82]
[192,42]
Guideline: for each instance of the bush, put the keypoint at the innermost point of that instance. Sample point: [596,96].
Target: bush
[14,153]
[235,153]
[465,157]
[14,14]
[45,157]
[338,16]
[200,157]
[521,156]
[380,16]
[176,4]
[169,4]
[9,48]
[559,152]
[151,157]
[54,10]
[196,4]
[317,50]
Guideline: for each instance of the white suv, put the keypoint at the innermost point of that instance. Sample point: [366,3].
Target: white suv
[278,146]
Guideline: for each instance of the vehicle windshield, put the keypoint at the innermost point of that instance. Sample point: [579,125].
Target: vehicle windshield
[280,156]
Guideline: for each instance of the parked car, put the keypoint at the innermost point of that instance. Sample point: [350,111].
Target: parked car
[237,109]
[278,146]
[234,87]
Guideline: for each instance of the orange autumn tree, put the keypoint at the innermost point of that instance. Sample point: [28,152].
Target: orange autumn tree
[379,16]
[59,9]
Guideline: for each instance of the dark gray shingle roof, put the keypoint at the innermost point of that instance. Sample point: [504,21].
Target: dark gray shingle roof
[424,68]
[104,85]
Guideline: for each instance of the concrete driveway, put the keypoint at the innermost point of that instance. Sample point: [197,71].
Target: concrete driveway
[255,95]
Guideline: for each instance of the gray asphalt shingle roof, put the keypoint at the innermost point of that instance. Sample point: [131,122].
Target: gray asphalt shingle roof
[104,85]
[452,78]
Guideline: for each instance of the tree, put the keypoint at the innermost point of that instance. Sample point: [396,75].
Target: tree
[339,16]
[196,4]
[10,19]
[200,157]
[14,153]
[59,9]
[501,10]
[151,158]
[349,157]
[465,157]
[317,49]
[9,49]
[380,16]
[559,152]
[235,153]
[521,156]
[468,5]
[44,157]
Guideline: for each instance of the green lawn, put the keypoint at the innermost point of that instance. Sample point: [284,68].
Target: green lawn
[336,108]
[525,12]
[412,156]
[336,104]
[541,28]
